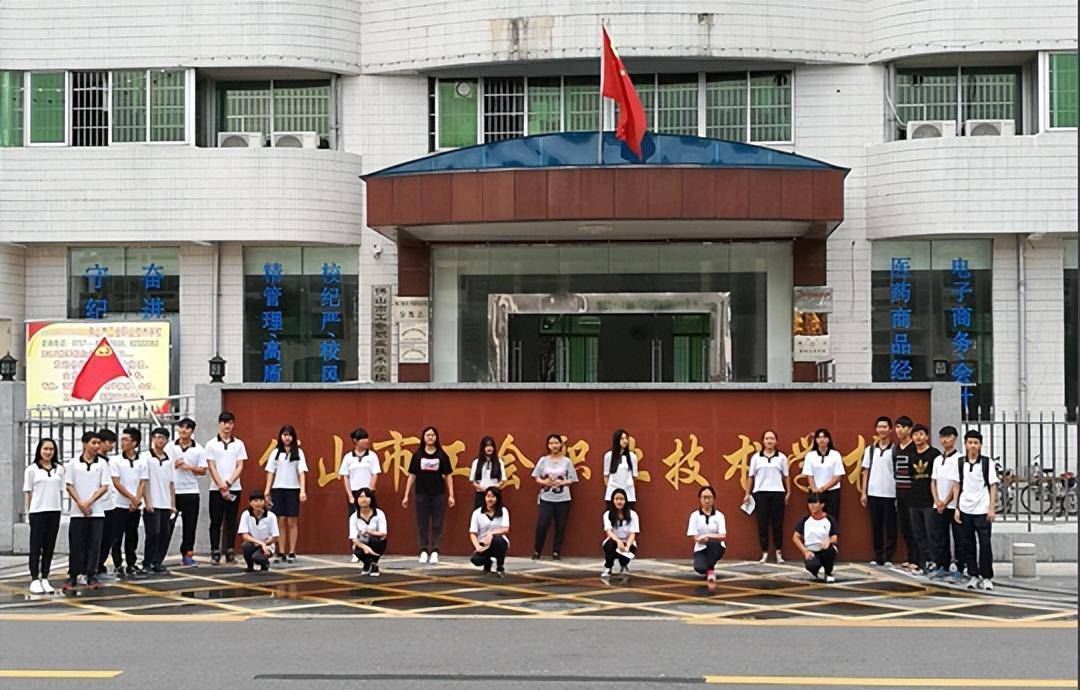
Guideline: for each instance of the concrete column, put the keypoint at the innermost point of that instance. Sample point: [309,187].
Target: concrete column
[12,457]
[944,407]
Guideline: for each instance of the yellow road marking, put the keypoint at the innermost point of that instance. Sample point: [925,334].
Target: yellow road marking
[894,682]
[48,673]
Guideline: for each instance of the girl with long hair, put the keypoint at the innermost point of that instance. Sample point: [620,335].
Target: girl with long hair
[430,472]
[489,532]
[487,470]
[43,486]
[286,472]
[621,527]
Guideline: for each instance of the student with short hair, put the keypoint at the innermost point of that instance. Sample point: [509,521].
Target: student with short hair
[368,531]
[554,473]
[129,476]
[709,530]
[621,527]
[902,458]
[825,468]
[977,493]
[359,467]
[815,536]
[920,499]
[258,527]
[106,451]
[159,507]
[771,487]
[489,532]
[620,468]
[877,487]
[87,480]
[225,458]
[946,478]
[432,475]
[43,486]
[286,482]
[487,470]
[189,463]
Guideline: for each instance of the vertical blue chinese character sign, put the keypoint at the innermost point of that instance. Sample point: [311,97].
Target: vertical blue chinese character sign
[153,305]
[96,305]
[272,322]
[960,317]
[330,303]
[900,319]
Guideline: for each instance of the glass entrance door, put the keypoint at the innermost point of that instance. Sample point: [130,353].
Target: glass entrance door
[585,348]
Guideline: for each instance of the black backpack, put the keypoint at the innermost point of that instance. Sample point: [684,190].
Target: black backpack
[985,469]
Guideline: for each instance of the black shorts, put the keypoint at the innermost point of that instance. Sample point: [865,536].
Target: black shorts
[286,502]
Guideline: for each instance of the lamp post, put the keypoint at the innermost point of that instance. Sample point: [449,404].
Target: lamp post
[7,367]
[217,369]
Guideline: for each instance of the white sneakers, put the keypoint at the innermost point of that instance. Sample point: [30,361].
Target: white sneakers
[764,557]
[988,585]
[606,573]
[830,579]
[47,587]
[434,557]
[779,556]
[36,588]
[354,559]
[423,557]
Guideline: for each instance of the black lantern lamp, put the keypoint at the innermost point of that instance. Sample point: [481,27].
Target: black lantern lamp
[7,367]
[217,369]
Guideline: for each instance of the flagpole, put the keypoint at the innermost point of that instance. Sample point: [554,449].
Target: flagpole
[600,128]
[134,387]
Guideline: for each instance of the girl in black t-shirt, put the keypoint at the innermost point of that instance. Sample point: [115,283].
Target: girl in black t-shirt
[430,471]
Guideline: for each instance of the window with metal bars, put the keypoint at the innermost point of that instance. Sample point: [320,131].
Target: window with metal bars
[89,109]
[770,106]
[958,94]
[676,104]
[1062,69]
[302,107]
[167,105]
[244,107]
[749,106]
[504,108]
[581,103]
[129,106]
[544,97]
[725,106]
[11,108]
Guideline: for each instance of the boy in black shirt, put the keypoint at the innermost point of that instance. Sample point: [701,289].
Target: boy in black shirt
[901,458]
[920,500]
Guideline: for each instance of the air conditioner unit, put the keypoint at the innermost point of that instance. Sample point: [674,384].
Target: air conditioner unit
[930,129]
[240,140]
[295,140]
[990,128]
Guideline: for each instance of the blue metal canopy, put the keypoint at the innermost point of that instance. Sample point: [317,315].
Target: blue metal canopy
[578,149]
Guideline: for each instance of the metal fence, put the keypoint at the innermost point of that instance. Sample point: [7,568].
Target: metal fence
[1036,460]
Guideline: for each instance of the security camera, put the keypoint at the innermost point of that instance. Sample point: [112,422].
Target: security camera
[376,250]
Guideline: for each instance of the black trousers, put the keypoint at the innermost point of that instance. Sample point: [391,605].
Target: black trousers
[924,527]
[832,505]
[611,554]
[948,539]
[84,546]
[375,544]
[223,519]
[430,513]
[43,530]
[903,518]
[106,539]
[770,518]
[707,558]
[557,511]
[187,510]
[979,562]
[882,527]
[158,528]
[496,550]
[253,554]
[124,529]
[822,559]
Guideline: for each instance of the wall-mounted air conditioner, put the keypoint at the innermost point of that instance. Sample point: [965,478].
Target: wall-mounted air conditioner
[295,140]
[930,129]
[990,128]
[240,140]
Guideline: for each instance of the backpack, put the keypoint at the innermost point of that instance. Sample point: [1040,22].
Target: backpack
[985,471]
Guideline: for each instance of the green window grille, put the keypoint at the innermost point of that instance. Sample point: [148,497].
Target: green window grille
[167,106]
[302,107]
[991,94]
[47,108]
[926,95]
[504,108]
[244,107]
[129,106]
[457,113]
[725,106]
[770,106]
[11,108]
[677,105]
[645,85]
[581,104]
[545,105]
[1063,90]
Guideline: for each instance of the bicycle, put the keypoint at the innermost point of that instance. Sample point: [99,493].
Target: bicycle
[1048,493]
[1007,490]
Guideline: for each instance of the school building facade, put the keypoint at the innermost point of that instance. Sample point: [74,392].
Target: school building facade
[410,191]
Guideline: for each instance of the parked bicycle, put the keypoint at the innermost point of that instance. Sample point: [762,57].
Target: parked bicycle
[1050,494]
[1007,490]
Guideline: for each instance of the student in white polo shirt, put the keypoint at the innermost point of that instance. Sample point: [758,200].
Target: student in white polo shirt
[107,451]
[489,532]
[709,530]
[977,493]
[487,470]
[621,527]
[620,468]
[877,489]
[945,477]
[87,480]
[771,489]
[189,463]
[225,457]
[816,536]
[367,531]
[159,506]
[129,476]
[286,472]
[259,529]
[43,485]
[825,467]
[359,467]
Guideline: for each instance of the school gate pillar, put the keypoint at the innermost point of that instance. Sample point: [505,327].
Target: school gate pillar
[12,460]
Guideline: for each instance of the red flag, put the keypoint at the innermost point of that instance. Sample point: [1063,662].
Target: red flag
[101,367]
[617,85]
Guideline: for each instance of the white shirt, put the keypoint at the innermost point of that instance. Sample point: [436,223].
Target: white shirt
[261,529]
[882,483]
[286,472]
[624,530]
[768,473]
[481,525]
[359,469]
[87,479]
[974,494]
[701,524]
[225,456]
[130,473]
[46,487]
[623,478]
[359,528]
[195,455]
[946,474]
[159,478]
[108,501]
[816,533]
[823,469]
[486,480]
